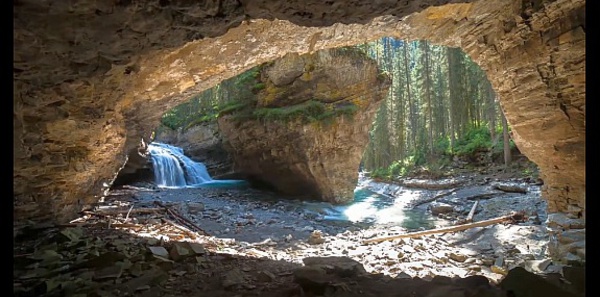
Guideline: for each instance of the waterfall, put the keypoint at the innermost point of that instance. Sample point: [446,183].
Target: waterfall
[173,169]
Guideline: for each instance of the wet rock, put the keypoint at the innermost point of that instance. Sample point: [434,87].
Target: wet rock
[195,207]
[438,208]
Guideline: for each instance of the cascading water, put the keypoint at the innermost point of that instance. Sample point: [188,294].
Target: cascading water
[173,169]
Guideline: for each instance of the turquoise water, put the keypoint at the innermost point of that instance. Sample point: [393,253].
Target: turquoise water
[373,208]
[174,170]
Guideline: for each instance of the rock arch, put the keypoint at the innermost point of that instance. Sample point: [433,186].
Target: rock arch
[93,78]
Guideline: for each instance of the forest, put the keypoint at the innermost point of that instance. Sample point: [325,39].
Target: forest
[440,108]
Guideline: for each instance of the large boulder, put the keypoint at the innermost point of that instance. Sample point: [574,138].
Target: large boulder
[308,129]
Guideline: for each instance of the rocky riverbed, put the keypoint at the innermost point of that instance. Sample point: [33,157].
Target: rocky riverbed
[257,242]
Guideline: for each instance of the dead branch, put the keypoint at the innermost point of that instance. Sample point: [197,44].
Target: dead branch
[99,224]
[436,197]
[182,219]
[508,218]
[121,211]
[127,216]
[185,230]
[472,212]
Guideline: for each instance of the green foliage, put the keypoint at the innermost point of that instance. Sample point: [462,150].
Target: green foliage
[475,139]
[228,97]
[402,167]
[380,173]
[442,146]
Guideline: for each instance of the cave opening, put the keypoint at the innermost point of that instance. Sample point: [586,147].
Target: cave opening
[428,88]
[65,154]
[387,200]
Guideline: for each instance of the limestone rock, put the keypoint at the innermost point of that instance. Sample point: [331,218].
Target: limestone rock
[302,154]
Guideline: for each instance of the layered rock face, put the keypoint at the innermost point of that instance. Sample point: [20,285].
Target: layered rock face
[296,149]
[91,78]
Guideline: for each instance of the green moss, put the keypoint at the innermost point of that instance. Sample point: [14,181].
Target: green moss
[258,87]
[232,107]
[309,111]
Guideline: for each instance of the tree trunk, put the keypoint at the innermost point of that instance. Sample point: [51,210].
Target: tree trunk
[411,115]
[491,112]
[507,156]
[428,94]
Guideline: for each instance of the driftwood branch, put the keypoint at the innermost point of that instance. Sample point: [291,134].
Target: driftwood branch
[182,219]
[472,212]
[508,218]
[100,224]
[185,230]
[121,211]
[436,197]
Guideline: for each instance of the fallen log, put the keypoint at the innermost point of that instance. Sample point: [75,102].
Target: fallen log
[508,218]
[436,197]
[431,185]
[510,188]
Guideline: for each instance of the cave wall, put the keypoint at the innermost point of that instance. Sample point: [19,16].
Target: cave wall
[91,78]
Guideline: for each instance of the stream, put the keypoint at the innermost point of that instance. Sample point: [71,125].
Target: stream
[231,208]
[269,225]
